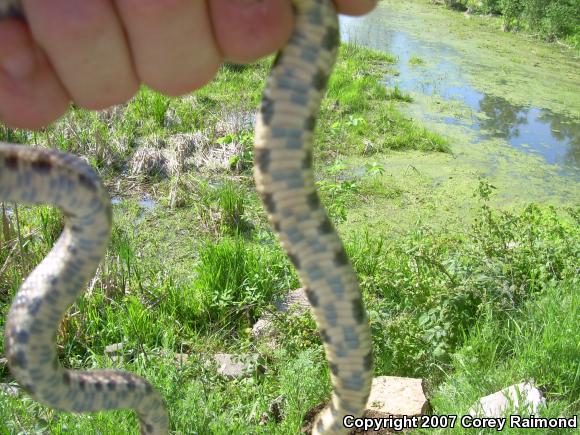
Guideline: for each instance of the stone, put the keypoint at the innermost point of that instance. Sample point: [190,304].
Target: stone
[115,352]
[181,359]
[295,299]
[10,390]
[294,302]
[521,398]
[392,395]
[178,360]
[263,328]
[114,349]
[235,366]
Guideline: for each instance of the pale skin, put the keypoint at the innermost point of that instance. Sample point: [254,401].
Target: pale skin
[96,53]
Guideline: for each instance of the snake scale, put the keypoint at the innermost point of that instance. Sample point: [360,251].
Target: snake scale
[285,182]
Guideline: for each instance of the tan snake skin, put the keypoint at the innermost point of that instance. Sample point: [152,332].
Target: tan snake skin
[285,182]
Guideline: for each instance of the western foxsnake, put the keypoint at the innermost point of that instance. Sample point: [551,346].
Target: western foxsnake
[284,180]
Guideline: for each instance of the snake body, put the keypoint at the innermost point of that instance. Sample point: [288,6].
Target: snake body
[285,182]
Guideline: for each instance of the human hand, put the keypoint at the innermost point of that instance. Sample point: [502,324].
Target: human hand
[96,53]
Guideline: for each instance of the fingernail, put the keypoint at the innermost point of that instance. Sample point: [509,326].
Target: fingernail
[19,64]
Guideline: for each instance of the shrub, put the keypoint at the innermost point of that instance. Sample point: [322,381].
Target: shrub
[550,19]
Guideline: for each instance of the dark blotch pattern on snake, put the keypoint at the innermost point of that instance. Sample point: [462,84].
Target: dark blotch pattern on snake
[285,182]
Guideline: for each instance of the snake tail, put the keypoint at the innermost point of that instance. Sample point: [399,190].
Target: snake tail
[35,176]
[285,181]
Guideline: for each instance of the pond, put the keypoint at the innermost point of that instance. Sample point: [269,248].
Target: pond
[505,92]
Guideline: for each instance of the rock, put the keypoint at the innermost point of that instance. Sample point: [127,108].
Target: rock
[115,352]
[275,411]
[178,359]
[114,349]
[10,390]
[518,398]
[295,298]
[236,366]
[181,359]
[3,364]
[263,328]
[392,395]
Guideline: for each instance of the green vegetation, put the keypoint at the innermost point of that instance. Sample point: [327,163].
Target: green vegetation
[416,60]
[441,284]
[550,19]
[539,340]
[470,302]
[359,120]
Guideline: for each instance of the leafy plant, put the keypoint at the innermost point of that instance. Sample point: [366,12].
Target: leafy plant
[374,168]
[245,139]
[398,95]
[550,19]
[297,332]
[235,280]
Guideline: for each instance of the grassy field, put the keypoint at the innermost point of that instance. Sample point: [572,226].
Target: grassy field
[472,302]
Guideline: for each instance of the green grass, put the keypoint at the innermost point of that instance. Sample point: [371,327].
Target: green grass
[472,307]
[398,95]
[359,120]
[416,60]
[538,341]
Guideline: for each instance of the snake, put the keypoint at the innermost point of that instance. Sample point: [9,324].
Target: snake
[284,179]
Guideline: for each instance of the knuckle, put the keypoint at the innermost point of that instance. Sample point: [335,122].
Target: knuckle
[103,98]
[155,7]
[83,19]
[182,78]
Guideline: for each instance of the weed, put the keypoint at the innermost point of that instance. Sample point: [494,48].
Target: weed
[244,159]
[234,280]
[231,199]
[416,60]
[397,95]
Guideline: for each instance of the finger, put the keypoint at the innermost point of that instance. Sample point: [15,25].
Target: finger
[249,29]
[86,45]
[172,43]
[30,94]
[355,7]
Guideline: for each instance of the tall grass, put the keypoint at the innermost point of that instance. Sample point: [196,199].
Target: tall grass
[536,342]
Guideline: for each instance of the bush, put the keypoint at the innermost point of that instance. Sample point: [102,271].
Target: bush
[550,19]
[428,291]
[235,280]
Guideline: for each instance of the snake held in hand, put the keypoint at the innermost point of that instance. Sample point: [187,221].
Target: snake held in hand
[285,182]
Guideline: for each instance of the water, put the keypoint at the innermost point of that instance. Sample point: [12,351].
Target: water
[146,205]
[537,130]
